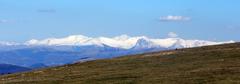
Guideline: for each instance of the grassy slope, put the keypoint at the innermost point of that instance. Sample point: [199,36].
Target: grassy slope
[212,64]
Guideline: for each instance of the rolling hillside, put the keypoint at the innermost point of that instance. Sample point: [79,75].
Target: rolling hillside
[211,64]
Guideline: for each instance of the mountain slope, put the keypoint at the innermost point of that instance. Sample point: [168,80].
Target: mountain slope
[8,69]
[212,64]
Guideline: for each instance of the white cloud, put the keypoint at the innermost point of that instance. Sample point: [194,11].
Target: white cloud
[174,18]
[172,34]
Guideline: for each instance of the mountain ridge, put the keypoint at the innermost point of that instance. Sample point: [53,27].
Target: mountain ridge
[122,41]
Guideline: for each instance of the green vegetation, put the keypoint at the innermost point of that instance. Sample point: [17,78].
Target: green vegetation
[211,64]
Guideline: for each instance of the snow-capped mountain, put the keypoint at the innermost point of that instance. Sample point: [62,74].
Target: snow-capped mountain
[123,41]
[145,43]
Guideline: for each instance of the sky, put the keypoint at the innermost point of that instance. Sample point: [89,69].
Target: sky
[214,20]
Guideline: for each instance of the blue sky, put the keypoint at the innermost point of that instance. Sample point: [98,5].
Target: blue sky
[215,20]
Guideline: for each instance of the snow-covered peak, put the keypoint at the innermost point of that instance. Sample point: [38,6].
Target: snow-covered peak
[70,40]
[144,43]
[123,41]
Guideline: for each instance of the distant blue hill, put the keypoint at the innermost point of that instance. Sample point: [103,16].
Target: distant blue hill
[28,56]
[38,66]
[9,69]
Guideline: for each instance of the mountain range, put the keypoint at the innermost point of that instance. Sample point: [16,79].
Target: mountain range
[77,48]
[123,41]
